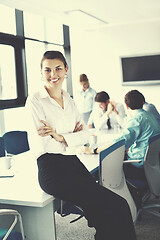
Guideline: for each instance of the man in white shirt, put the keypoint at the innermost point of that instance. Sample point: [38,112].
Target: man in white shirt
[106,113]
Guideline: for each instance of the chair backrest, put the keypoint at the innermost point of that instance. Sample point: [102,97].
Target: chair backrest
[152,165]
[2,149]
[112,175]
[111,165]
[16,142]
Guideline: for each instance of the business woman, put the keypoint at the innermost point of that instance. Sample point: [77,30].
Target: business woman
[56,125]
[85,97]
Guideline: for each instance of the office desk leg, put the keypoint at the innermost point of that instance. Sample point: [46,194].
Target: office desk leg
[38,222]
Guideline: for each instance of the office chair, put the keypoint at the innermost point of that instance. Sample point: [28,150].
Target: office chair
[16,142]
[151,186]
[2,149]
[112,175]
[11,234]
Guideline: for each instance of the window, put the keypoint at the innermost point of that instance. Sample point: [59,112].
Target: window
[8,86]
[7,20]
[13,88]
[33,26]
[53,31]
[15,119]
[34,52]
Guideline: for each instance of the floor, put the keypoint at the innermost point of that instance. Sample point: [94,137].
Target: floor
[148,228]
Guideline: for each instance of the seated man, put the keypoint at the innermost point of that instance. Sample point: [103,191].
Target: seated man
[149,107]
[141,125]
[106,113]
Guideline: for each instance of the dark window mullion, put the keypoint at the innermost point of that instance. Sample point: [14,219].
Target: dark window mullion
[67,50]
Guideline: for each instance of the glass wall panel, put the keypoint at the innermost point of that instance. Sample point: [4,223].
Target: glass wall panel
[34,53]
[7,20]
[53,31]
[33,26]
[8,87]
[15,119]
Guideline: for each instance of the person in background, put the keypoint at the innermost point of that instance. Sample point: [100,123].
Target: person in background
[106,113]
[85,97]
[149,107]
[55,123]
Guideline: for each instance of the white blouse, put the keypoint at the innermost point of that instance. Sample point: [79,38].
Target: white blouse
[40,106]
[85,100]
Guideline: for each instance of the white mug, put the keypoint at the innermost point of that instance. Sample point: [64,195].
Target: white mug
[92,140]
[6,163]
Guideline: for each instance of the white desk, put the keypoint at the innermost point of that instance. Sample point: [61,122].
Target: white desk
[23,193]
[103,137]
[106,136]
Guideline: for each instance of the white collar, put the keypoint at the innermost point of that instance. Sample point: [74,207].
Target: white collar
[44,94]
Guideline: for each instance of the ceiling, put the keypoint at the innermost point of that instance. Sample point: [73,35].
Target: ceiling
[93,13]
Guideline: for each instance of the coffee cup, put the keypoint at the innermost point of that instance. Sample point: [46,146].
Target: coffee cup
[93,140]
[6,163]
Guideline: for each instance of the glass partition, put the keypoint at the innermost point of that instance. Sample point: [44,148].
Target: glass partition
[53,31]
[33,26]
[8,86]
[7,20]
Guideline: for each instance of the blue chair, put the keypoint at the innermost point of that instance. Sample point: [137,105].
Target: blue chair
[151,186]
[112,175]
[2,149]
[15,142]
[10,233]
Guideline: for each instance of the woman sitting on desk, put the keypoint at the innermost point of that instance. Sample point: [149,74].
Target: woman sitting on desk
[57,124]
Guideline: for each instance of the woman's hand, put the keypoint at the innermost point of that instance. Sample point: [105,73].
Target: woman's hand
[78,127]
[47,130]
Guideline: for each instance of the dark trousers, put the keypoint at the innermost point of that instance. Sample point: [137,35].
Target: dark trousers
[133,172]
[65,177]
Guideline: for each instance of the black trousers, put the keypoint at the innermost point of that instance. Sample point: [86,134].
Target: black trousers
[133,172]
[65,177]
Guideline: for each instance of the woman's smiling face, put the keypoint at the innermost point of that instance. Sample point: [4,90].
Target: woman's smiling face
[53,72]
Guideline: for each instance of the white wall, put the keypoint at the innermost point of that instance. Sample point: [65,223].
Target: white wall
[97,53]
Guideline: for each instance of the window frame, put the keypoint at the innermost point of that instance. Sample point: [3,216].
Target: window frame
[20,67]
